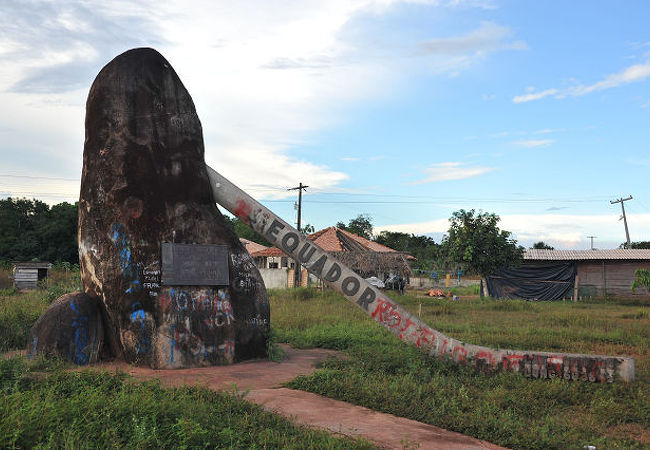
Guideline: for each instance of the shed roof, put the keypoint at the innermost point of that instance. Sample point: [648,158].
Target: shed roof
[33,265]
[269,251]
[585,255]
[333,240]
[252,247]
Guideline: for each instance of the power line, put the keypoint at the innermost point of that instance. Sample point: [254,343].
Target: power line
[37,178]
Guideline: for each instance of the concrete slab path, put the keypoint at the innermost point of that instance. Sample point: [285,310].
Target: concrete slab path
[262,379]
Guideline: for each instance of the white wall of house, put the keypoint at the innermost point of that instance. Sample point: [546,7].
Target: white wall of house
[274,278]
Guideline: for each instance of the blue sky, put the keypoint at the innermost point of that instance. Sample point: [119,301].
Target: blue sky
[403,110]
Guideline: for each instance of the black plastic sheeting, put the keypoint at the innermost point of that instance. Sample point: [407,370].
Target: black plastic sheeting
[553,281]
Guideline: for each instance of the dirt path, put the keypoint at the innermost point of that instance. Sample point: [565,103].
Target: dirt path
[262,380]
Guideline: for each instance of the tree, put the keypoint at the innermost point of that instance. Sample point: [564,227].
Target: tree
[244,231]
[637,245]
[308,229]
[541,245]
[423,248]
[475,242]
[360,225]
[30,229]
[641,279]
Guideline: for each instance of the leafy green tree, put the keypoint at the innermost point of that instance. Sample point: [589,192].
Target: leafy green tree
[30,230]
[475,242]
[244,231]
[641,279]
[541,245]
[638,245]
[423,248]
[360,225]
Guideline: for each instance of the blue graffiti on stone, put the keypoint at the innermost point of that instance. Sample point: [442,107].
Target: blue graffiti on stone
[138,316]
[130,270]
[80,325]
[196,314]
[32,353]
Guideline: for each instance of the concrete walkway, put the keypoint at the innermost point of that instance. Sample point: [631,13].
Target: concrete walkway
[262,380]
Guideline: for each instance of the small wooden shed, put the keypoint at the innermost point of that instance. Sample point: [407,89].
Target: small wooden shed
[28,274]
[599,272]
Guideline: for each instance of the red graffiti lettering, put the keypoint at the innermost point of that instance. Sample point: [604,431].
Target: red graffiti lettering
[511,362]
[405,327]
[487,356]
[383,306]
[423,337]
[459,354]
[556,364]
[243,211]
[394,318]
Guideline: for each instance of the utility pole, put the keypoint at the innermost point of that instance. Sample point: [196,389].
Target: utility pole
[297,269]
[592,241]
[621,201]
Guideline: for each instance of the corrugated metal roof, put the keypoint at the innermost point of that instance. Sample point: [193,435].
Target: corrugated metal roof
[33,264]
[583,255]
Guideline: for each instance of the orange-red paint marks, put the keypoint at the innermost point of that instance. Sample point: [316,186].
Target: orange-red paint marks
[511,360]
[243,211]
[459,354]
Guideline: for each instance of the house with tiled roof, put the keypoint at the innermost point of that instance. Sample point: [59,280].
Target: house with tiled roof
[362,255]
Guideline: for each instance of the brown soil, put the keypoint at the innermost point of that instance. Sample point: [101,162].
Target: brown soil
[261,382]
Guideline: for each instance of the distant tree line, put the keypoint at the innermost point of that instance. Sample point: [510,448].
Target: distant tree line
[32,230]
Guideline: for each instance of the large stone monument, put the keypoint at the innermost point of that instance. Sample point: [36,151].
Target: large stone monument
[175,286]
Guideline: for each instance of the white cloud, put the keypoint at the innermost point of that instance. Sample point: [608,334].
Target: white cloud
[631,74]
[534,96]
[448,171]
[263,77]
[531,143]
[561,230]
[550,130]
[453,54]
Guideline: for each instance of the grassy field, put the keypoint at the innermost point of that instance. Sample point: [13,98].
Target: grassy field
[508,409]
[43,402]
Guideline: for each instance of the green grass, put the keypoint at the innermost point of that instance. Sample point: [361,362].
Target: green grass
[47,406]
[50,407]
[384,374]
[19,310]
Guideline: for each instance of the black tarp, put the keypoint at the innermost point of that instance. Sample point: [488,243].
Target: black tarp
[541,281]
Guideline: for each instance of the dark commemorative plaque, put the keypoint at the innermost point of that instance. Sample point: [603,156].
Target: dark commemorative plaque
[194,264]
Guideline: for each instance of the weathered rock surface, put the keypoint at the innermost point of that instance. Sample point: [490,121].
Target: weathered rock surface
[144,183]
[71,329]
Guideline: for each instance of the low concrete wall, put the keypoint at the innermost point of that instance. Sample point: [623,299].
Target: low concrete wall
[274,278]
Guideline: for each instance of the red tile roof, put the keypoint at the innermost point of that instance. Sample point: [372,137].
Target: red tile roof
[333,240]
[252,247]
[269,251]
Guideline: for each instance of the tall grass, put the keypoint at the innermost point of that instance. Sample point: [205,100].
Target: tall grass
[384,374]
[20,310]
[49,407]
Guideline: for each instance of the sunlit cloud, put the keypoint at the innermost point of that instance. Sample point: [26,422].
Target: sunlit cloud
[263,78]
[449,171]
[631,74]
[561,230]
[532,143]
